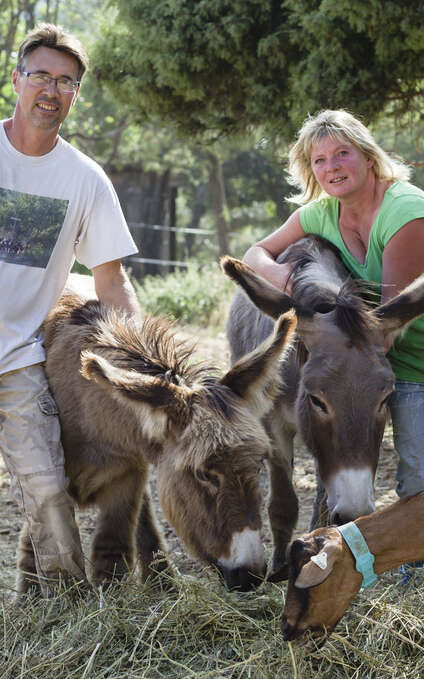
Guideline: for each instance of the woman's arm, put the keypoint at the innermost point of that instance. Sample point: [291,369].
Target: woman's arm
[403,259]
[261,256]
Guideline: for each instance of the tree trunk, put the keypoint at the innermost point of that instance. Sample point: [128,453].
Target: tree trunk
[144,198]
[199,209]
[219,203]
[173,223]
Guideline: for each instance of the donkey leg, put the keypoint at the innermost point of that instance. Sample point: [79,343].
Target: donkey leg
[113,547]
[283,512]
[283,506]
[150,545]
[320,513]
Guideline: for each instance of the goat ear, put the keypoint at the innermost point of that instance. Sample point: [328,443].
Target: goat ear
[400,310]
[313,574]
[269,299]
[253,375]
[165,401]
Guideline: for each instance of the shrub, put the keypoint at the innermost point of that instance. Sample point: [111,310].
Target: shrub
[196,295]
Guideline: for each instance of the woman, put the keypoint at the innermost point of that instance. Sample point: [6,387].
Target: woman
[356,196]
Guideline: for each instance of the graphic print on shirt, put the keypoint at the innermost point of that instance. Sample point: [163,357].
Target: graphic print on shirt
[29,227]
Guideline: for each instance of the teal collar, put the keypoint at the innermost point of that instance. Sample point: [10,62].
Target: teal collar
[359,548]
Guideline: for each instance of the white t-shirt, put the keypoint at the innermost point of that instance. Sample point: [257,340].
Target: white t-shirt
[53,209]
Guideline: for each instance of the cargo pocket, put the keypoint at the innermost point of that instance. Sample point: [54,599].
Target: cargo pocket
[47,404]
[50,427]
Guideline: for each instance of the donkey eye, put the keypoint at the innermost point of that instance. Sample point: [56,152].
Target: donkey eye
[207,477]
[317,403]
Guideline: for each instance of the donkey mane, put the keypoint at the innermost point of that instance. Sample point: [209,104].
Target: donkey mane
[152,346]
[323,286]
[352,315]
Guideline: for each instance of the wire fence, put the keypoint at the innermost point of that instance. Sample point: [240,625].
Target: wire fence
[170,229]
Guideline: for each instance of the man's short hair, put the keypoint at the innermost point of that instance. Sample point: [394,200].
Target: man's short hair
[49,35]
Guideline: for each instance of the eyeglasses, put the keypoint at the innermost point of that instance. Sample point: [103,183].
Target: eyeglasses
[64,85]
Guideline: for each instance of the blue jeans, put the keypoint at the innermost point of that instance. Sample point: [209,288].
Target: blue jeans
[407,410]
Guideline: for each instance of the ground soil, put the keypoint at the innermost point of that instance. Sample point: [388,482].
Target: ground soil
[213,349]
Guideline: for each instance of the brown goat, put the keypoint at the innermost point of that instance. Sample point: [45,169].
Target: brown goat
[317,598]
[129,394]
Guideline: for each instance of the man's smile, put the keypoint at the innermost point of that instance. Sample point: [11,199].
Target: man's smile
[47,107]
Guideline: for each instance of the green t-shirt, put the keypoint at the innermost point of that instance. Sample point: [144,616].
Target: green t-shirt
[402,202]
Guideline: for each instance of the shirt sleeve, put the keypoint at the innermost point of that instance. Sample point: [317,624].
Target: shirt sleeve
[317,217]
[105,235]
[306,215]
[403,209]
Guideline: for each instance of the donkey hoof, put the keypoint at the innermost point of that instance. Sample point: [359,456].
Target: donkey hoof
[278,573]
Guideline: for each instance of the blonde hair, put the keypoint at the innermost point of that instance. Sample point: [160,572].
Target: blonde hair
[49,35]
[339,125]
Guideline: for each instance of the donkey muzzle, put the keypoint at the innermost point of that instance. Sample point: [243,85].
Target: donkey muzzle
[240,578]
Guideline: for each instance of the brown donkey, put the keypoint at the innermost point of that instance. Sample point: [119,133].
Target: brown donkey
[129,394]
[337,379]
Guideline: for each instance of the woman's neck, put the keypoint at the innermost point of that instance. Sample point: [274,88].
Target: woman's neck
[365,203]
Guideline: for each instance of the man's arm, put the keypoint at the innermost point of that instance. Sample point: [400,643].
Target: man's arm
[114,288]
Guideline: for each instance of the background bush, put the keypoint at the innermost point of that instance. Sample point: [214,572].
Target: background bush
[198,294]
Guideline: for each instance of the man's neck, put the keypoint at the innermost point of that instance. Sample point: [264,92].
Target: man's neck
[31,142]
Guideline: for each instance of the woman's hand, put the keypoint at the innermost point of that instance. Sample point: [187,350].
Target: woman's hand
[262,256]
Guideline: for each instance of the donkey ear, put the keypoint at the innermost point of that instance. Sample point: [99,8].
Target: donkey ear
[165,401]
[315,571]
[309,328]
[253,375]
[269,299]
[402,309]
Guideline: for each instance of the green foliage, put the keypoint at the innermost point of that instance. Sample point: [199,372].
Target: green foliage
[102,127]
[210,67]
[359,56]
[195,295]
[406,139]
[16,17]
[253,176]
[80,268]
[248,233]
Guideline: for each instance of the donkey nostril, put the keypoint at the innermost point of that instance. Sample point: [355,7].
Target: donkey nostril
[240,578]
[340,518]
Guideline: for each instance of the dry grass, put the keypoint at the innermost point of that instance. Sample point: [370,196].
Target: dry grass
[201,630]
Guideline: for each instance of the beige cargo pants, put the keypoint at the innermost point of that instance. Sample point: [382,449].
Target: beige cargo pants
[30,444]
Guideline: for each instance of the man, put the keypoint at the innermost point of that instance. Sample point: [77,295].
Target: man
[56,205]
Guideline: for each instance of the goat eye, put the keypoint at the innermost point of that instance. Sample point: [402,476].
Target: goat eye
[318,403]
